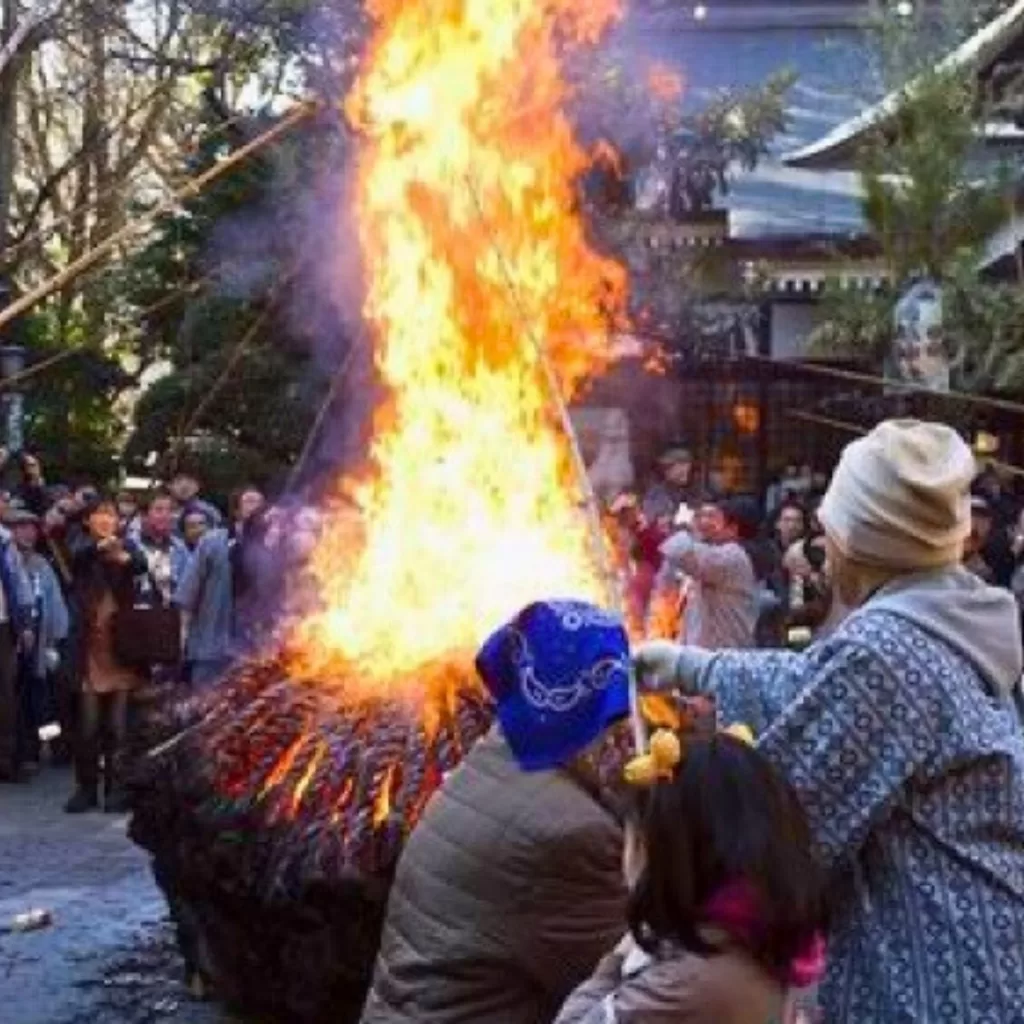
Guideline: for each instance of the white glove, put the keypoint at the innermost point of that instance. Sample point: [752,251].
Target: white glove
[683,517]
[654,663]
[663,665]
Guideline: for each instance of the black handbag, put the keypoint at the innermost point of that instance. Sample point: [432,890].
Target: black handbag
[148,633]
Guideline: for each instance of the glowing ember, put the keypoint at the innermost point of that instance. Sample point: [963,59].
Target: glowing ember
[475,259]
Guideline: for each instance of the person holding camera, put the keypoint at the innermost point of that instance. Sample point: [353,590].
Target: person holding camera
[104,571]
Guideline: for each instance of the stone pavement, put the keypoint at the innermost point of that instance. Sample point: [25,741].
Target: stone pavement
[109,955]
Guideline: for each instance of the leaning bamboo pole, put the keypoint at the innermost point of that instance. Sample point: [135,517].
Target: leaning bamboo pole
[191,188]
[591,505]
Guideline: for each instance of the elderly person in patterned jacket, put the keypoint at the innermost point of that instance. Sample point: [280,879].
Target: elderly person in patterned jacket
[902,736]
[509,889]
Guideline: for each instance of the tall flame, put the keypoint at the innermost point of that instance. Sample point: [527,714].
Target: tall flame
[477,267]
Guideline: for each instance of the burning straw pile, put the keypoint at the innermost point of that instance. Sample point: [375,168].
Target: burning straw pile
[276,818]
[275,812]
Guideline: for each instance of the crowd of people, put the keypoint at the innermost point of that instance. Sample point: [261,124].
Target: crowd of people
[106,598]
[721,570]
[704,825]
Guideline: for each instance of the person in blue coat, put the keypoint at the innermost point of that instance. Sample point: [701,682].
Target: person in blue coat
[901,733]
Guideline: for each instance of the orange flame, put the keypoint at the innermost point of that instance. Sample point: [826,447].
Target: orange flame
[476,263]
[307,777]
[284,764]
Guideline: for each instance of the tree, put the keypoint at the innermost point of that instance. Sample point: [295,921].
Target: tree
[217,291]
[109,100]
[671,166]
[932,204]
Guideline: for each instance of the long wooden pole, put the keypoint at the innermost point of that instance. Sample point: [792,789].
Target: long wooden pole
[856,377]
[591,506]
[321,414]
[191,188]
[853,428]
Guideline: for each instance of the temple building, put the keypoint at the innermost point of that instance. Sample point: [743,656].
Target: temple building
[794,222]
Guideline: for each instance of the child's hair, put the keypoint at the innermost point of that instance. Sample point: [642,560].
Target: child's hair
[726,816]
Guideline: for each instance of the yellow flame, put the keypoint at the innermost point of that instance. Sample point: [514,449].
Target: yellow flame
[475,258]
[382,799]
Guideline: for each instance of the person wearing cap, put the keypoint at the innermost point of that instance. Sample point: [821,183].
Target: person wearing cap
[902,735]
[722,592]
[675,486]
[509,889]
[49,625]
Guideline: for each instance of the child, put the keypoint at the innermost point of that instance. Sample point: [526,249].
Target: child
[725,899]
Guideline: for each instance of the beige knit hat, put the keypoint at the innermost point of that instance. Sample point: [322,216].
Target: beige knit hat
[900,497]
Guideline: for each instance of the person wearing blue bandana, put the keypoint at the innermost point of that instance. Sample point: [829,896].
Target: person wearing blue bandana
[509,889]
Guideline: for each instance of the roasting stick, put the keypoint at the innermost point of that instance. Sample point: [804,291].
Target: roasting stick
[191,188]
[593,512]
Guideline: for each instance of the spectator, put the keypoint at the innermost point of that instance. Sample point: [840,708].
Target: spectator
[206,598]
[725,905]
[1017,582]
[501,927]
[15,635]
[991,486]
[640,541]
[675,487]
[38,665]
[989,551]
[245,503]
[166,554]
[809,599]
[128,513]
[902,737]
[723,595]
[32,488]
[193,526]
[790,525]
[105,572]
[184,489]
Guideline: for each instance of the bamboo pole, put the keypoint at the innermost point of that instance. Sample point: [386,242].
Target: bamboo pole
[853,428]
[255,326]
[191,188]
[856,377]
[318,420]
[592,508]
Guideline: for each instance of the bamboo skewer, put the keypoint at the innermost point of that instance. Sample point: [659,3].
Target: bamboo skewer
[188,190]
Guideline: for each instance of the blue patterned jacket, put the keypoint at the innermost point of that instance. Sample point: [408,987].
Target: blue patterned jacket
[901,737]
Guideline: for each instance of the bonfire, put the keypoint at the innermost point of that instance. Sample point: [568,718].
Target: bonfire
[276,808]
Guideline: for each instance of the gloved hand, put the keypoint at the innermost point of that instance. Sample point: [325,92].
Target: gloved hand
[654,663]
[664,665]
